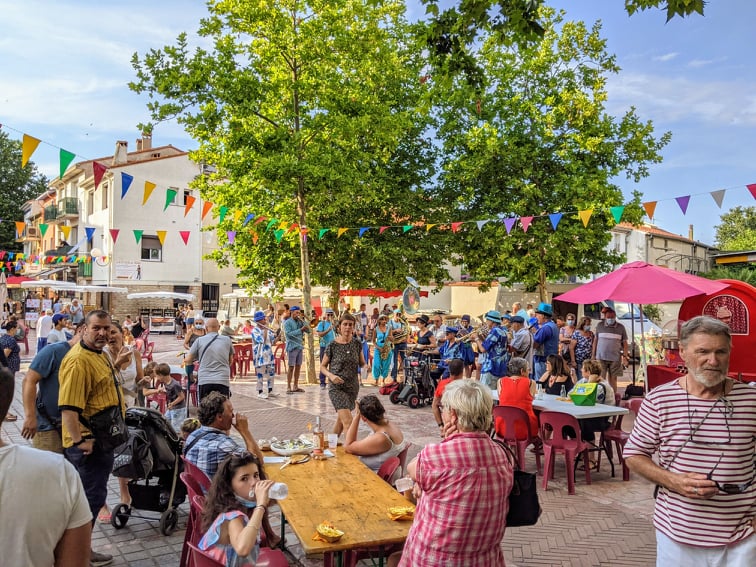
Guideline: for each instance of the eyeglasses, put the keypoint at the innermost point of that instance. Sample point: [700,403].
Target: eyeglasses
[727,410]
[728,488]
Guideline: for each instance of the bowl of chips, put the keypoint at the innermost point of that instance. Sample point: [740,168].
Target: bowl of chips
[398,513]
[329,532]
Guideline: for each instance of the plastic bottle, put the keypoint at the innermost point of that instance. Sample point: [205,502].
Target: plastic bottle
[278,491]
[563,392]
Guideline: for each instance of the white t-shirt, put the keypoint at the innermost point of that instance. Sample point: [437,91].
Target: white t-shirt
[56,336]
[41,496]
[44,326]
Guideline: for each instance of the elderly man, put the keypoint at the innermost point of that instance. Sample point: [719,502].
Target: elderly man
[493,360]
[215,353]
[401,335]
[545,340]
[703,430]
[295,328]
[45,518]
[610,347]
[522,340]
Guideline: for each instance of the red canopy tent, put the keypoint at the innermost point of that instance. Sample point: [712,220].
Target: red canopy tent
[18,279]
[383,293]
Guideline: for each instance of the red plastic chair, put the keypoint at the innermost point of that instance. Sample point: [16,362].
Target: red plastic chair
[556,424]
[388,469]
[279,354]
[619,437]
[403,458]
[192,387]
[196,473]
[160,399]
[511,416]
[267,558]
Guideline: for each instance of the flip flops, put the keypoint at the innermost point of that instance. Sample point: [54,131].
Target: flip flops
[298,390]
[289,391]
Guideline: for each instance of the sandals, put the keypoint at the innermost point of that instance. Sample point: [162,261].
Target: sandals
[298,390]
[289,391]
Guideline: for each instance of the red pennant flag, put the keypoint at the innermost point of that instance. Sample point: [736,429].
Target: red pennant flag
[99,171]
[752,189]
[455,226]
[114,234]
[185,235]
[382,229]
[189,204]
[206,208]
[525,222]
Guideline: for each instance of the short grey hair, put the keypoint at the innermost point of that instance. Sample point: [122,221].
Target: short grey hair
[704,324]
[472,402]
[516,365]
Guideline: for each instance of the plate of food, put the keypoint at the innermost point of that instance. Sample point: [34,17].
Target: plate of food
[289,447]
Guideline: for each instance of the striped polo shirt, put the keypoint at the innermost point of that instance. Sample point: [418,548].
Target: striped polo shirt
[86,385]
[717,436]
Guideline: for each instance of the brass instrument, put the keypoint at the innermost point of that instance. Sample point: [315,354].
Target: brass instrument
[479,333]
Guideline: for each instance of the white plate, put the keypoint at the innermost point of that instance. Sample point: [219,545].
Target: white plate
[289,447]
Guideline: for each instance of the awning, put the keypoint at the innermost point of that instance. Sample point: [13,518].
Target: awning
[161,295]
[44,274]
[16,280]
[374,293]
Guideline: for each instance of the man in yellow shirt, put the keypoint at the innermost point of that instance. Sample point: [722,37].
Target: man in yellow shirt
[88,385]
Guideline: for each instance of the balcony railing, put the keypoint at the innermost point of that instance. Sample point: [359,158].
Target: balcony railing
[68,207]
[51,213]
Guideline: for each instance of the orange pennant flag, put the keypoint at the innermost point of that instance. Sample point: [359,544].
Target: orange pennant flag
[66,230]
[161,236]
[189,204]
[650,208]
[20,227]
[206,208]
[585,216]
[341,231]
[255,238]
[149,186]
[28,147]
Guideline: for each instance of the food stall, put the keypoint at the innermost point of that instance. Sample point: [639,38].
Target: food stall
[160,320]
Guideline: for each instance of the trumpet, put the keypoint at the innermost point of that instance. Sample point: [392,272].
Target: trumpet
[481,333]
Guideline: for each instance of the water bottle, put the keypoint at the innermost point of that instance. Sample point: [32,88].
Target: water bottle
[278,491]
[563,392]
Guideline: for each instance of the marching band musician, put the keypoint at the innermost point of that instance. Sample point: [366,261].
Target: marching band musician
[494,363]
[382,355]
[468,354]
[294,329]
[438,328]
[400,329]
[425,337]
[449,350]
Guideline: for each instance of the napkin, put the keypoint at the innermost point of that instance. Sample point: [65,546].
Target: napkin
[274,460]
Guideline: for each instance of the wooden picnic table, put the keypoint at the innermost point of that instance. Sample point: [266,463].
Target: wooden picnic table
[343,491]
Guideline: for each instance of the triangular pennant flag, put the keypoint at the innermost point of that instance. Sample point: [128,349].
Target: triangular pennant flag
[138,235]
[161,236]
[555,218]
[90,230]
[185,235]
[752,189]
[255,238]
[429,226]
[718,197]
[279,234]
[66,230]
[293,228]
[223,210]
[682,202]
[231,235]
[340,232]
[617,213]
[43,229]
[28,146]
[189,204]
[481,223]
[126,180]
[259,219]
[525,223]
[363,230]
[114,234]
[284,225]
[271,224]
[170,196]
[20,226]
[237,216]
[585,216]
[650,207]
[509,223]
[455,226]
[206,206]
[322,232]
[406,228]
[98,170]
[66,158]
[149,186]
[250,216]
[382,229]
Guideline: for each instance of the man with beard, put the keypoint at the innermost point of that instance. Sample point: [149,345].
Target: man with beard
[703,428]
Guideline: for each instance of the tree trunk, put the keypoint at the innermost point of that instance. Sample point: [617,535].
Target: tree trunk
[304,261]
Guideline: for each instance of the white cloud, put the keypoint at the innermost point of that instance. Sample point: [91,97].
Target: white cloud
[666,57]
[698,63]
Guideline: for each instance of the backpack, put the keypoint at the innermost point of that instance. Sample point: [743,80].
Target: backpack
[133,459]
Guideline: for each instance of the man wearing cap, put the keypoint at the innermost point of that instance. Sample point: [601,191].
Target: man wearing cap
[449,350]
[401,335]
[493,361]
[545,340]
[262,355]
[326,335]
[294,329]
[468,354]
[58,333]
[610,346]
[522,341]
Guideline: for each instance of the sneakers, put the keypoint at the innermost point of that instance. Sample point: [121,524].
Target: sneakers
[271,394]
[99,559]
[262,395]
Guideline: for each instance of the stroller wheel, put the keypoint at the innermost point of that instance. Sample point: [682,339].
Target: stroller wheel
[168,521]
[120,516]
[413,401]
[394,396]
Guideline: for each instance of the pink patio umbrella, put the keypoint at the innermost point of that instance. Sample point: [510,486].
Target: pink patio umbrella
[639,282]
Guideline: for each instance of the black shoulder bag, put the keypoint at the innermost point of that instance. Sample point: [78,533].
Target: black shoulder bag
[108,426]
[524,507]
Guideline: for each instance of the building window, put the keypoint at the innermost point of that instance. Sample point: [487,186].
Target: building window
[90,203]
[104,190]
[151,249]
[187,194]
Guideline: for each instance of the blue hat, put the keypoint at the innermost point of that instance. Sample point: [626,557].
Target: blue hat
[295,308]
[532,321]
[465,317]
[517,319]
[452,330]
[329,311]
[494,316]
[397,310]
[259,316]
[545,309]
[58,317]
[507,316]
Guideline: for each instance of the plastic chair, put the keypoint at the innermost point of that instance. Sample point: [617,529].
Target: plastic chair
[279,354]
[557,423]
[403,458]
[388,469]
[619,438]
[511,416]
[196,473]
[193,526]
[148,352]
[267,558]
[160,399]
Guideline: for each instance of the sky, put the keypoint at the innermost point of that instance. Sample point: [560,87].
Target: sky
[65,67]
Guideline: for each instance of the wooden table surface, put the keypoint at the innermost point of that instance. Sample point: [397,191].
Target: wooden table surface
[343,491]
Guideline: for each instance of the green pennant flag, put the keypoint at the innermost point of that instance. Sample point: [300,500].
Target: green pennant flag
[65,160]
[43,229]
[170,196]
[322,232]
[617,213]
[223,211]
[406,228]
[271,222]
[279,234]
[138,235]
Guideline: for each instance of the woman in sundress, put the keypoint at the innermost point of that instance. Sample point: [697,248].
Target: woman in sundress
[383,354]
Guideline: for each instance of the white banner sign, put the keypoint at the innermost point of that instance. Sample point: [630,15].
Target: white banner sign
[128,271]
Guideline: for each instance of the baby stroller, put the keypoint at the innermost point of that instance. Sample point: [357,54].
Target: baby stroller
[151,460]
[419,385]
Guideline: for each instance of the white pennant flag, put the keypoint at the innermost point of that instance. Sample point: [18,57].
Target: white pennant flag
[480,223]
[718,197]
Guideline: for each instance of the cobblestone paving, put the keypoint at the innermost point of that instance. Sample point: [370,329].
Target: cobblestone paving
[606,523]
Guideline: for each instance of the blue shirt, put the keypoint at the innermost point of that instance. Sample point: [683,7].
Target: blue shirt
[210,450]
[495,345]
[328,338]
[548,337]
[47,364]
[294,334]
[448,352]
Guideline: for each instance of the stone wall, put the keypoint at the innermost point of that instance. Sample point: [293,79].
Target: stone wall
[120,306]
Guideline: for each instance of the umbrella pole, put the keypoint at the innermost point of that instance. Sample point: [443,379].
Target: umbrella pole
[632,341]
[644,362]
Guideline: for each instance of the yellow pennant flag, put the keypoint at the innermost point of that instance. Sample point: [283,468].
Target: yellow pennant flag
[66,230]
[237,216]
[429,226]
[341,231]
[28,146]
[149,186]
[161,236]
[284,225]
[585,216]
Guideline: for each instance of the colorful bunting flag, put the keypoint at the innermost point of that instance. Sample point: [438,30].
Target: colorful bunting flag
[382,229]
[363,230]
[20,226]
[161,236]
[279,235]
[718,197]
[481,224]
[170,196]
[237,216]
[616,213]
[406,228]
[585,216]
[682,202]
[98,170]
[114,234]
[650,207]
[255,238]
[185,235]
[555,218]
[149,187]
[272,223]
[429,226]
[322,232]
[206,206]
[66,230]
[752,189]
[231,235]
[455,226]
[525,223]
[259,219]
[509,223]
[189,204]
[250,216]
[43,229]
[138,235]
[340,232]
[126,180]
[28,147]
[66,158]
[223,210]
[89,230]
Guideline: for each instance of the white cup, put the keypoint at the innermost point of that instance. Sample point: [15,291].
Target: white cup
[333,440]
[278,491]
[404,484]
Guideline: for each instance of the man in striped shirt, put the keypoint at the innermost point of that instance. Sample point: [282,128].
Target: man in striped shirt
[702,426]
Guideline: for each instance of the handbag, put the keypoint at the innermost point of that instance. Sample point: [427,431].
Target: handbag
[108,426]
[524,507]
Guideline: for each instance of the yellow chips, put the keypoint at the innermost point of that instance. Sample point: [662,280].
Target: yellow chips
[401,513]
